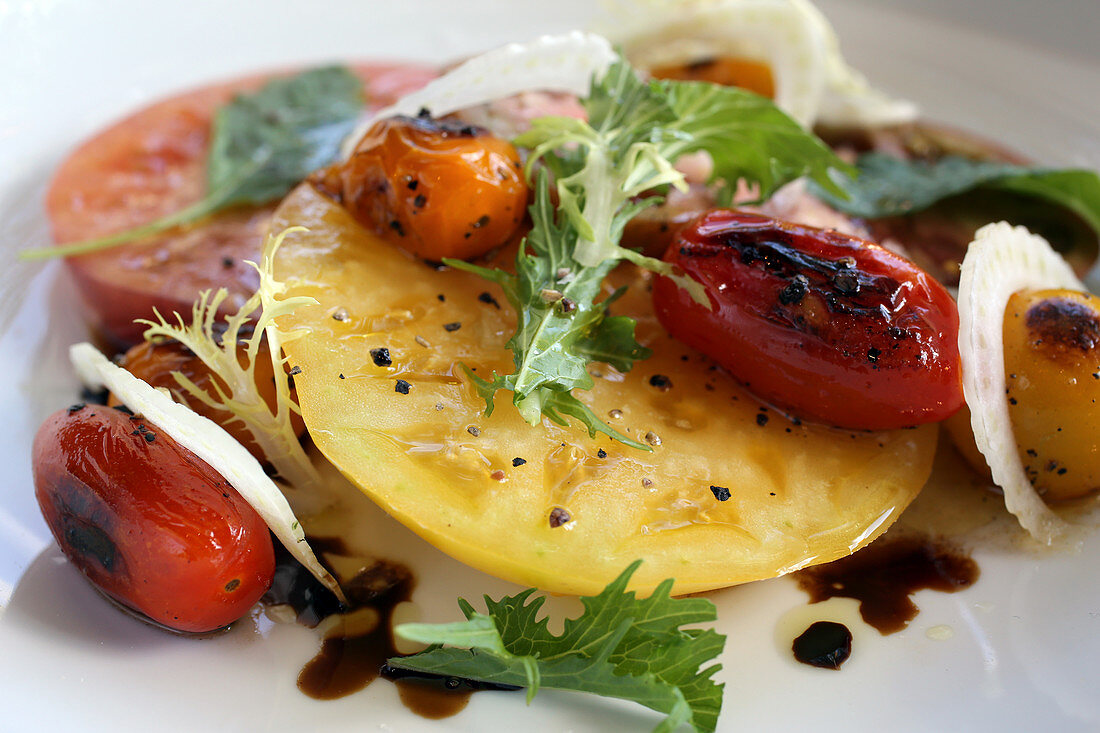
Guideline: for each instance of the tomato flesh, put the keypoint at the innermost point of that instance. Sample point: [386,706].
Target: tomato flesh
[830,327]
[152,164]
[147,522]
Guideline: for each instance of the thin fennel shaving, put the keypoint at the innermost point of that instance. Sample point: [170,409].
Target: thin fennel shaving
[236,390]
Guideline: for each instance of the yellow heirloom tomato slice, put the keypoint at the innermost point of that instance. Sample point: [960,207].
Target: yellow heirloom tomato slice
[731,492]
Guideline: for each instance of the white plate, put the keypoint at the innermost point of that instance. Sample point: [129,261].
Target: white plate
[1025,638]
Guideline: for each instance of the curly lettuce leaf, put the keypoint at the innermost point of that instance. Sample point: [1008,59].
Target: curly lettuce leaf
[236,392]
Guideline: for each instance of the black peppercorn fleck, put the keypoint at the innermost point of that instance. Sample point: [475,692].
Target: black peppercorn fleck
[721,493]
[401,387]
[661,382]
[381,356]
[558,517]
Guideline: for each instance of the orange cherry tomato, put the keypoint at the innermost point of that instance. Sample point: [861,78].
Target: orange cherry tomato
[438,188]
[830,327]
[148,523]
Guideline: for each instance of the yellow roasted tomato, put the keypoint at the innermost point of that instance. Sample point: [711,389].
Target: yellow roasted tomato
[731,492]
[1052,365]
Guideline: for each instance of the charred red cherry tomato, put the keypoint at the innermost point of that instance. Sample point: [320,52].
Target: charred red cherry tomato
[435,187]
[148,522]
[830,327]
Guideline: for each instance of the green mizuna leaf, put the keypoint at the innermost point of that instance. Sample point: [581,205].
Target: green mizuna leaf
[888,186]
[561,329]
[262,145]
[621,647]
[606,170]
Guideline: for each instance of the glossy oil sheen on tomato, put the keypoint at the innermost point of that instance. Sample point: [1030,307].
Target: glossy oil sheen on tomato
[830,327]
[147,522]
[484,489]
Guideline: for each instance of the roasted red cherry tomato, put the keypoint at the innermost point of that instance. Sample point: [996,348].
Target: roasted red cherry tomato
[828,326]
[435,187]
[147,522]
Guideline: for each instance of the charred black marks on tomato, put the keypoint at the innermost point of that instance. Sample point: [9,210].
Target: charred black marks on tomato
[840,285]
[1063,323]
[794,291]
[884,575]
[90,541]
[446,127]
[488,299]
[824,644]
[811,289]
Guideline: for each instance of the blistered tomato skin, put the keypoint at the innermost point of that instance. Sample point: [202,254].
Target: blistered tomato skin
[437,188]
[827,326]
[147,522]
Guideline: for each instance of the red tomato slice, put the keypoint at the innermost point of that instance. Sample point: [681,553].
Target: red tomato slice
[828,326]
[152,164]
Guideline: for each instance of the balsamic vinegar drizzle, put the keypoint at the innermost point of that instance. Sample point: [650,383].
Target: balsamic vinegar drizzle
[884,575]
[349,662]
[825,644]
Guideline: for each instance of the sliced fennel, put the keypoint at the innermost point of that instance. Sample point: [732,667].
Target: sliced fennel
[207,440]
[564,63]
[272,431]
[1003,260]
[813,83]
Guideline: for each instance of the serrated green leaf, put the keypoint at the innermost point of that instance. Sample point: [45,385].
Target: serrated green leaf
[621,646]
